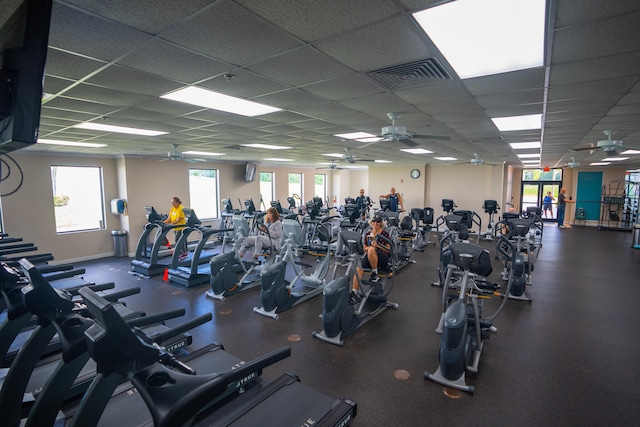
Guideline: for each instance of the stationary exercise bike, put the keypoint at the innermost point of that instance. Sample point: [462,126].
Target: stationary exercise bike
[464,325]
[344,312]
[278,294]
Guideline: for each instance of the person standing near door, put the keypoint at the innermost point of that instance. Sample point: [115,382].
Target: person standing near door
[547,202]
[562,206]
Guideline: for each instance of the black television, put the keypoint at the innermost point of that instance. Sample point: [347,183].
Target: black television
[250,172]
[24,38]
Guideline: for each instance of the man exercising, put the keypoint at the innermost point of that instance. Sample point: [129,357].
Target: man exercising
[395,200]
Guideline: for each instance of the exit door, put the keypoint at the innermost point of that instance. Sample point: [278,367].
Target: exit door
[533,194]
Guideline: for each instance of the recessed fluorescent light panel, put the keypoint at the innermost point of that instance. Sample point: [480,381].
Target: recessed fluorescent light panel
[524,145]
[276,159]
[416,150]
[356,135]
[531,121]
[615,159]
[203,153]
[630,152]
[445,158]
[217,101]
[333,155]
[119,129]
[480,38]
[600,164]
[267,146]
[383,161]
[529,156]
[71,143]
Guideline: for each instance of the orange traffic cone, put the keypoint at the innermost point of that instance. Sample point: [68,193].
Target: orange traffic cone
[166,275]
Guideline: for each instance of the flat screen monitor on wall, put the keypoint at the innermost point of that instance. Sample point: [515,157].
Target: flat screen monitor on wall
[24,38]
[250,172]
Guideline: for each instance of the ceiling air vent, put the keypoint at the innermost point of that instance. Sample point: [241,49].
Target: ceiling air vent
[489,139]
[416,73]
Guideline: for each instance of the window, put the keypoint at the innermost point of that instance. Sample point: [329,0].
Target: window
[78,200]
[203,192]
[295,185]
[266,187]
[321,186]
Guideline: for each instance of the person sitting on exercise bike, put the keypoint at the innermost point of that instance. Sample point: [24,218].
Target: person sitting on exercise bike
[269,235]
[375,253]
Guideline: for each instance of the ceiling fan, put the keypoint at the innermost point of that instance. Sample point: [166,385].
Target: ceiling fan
[332,166]
[174,154]
[476,160]
[399,133]
[610,146]
[350,158]
[572,163]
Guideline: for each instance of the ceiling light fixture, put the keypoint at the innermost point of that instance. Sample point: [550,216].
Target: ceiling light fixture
[355,135]
[480,38]
[119,129]
[218,101]
[445,159]
[267,146]
[530,121]
[524,145]
[529,156]
[614,159]
[416,150]
[71,143]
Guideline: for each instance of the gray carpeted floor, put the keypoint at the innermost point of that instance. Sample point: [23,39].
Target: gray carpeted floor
[568,358]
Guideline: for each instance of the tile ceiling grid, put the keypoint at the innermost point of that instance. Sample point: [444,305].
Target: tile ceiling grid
[111,60]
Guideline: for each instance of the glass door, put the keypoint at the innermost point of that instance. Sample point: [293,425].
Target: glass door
[530,196]
[542,194]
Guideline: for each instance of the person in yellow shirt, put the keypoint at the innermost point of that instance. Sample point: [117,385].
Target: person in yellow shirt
[177,218]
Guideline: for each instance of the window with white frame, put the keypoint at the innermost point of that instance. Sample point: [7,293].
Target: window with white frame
[266,187]
[320,188]
[295,186]
[203,192]
[78,198]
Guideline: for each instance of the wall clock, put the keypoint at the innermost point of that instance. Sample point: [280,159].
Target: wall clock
[415,173]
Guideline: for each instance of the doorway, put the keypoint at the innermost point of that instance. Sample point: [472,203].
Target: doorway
[533,194]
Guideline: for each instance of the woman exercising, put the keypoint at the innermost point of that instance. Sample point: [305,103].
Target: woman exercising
[375,252]
[177,217]
[269,235]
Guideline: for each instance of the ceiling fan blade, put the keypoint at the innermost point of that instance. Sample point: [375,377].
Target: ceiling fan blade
[583,149]
[434,137]
[409,143]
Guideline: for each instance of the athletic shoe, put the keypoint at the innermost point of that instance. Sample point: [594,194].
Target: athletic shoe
[374,277]
[567,226]
[354,297]
[561,226]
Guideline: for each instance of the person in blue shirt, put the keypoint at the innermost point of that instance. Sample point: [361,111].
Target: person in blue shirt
[395,200]
[547,203]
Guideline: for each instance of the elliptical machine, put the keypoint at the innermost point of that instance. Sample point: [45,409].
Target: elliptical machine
[464,325]
[278,294]
[521,233]
[344,312]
